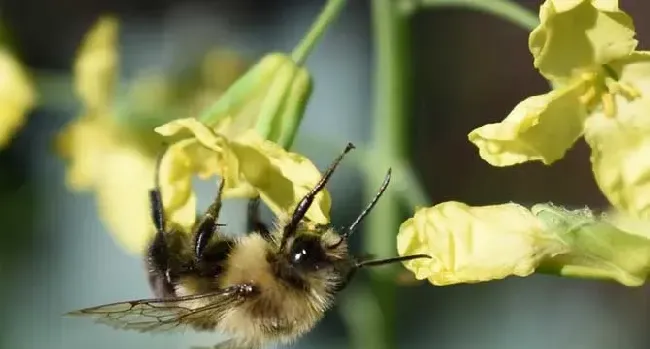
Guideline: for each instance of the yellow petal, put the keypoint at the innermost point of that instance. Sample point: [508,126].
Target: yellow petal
[621,144]
[249,164]
[181,162]
[580,36]
[123,199]
[16,96]
[82,144]
[473,244]
[539,128]
[118,169]
[567,5]
[95,70]
[282,178]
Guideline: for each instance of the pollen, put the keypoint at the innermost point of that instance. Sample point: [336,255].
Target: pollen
[589,97]
[609,106]
[602,90]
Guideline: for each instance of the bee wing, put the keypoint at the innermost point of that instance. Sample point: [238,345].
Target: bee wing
[160,315]
[232,344]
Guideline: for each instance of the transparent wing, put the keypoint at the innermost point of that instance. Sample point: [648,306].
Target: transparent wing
[160,315]
[232,344]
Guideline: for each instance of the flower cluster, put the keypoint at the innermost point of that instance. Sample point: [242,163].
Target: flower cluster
[601,90]
[110,150]
[113,146]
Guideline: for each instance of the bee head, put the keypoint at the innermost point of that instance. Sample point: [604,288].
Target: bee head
[313,249]
[307,252]
[312,246]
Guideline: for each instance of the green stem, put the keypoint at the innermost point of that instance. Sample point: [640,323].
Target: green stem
[508,10]
[390,142]
[326,17]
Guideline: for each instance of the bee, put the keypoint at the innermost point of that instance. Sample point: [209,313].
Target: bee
[269,286]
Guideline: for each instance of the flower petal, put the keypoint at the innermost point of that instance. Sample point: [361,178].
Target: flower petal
[579,36]
[567,5]
[176,172]
[16,96]
[473,244]
[539,128]
[250,166]
[122,196]
[118,169]
[82,144]
[281,177]
[621,144]
[95,70]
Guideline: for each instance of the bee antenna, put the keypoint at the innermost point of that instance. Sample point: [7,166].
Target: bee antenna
[367,210]
[378,262]
[304,204]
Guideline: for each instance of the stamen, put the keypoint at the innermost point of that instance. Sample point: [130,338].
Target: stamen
[628,91]
[588,97]
[609,106]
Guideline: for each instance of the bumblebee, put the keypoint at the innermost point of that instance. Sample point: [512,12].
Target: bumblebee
[269,286]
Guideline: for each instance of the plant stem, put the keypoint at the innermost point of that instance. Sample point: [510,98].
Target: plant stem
[506,9]
[389,144]
[325,18]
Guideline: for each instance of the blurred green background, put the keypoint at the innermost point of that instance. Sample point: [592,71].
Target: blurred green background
[469,69]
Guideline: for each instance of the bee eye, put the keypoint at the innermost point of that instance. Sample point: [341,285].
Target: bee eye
[306,251]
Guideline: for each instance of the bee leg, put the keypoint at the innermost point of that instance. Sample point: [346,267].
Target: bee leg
[208,224]
[158,258]
[254,223]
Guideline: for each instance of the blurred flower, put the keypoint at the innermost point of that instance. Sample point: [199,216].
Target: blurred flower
[476,244]
[602,91]
[111,148]
[17,96]
[249,164]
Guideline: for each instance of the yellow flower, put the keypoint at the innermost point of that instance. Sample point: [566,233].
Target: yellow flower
[620,146]
[110,150]
[95,70]
[104,157]
[602,91]
[249,164]
[473,244]
[17,96]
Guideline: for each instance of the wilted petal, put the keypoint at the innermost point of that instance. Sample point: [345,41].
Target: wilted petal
[473,244]
[539,128]
[95,70]
[579,35]
[597,247]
